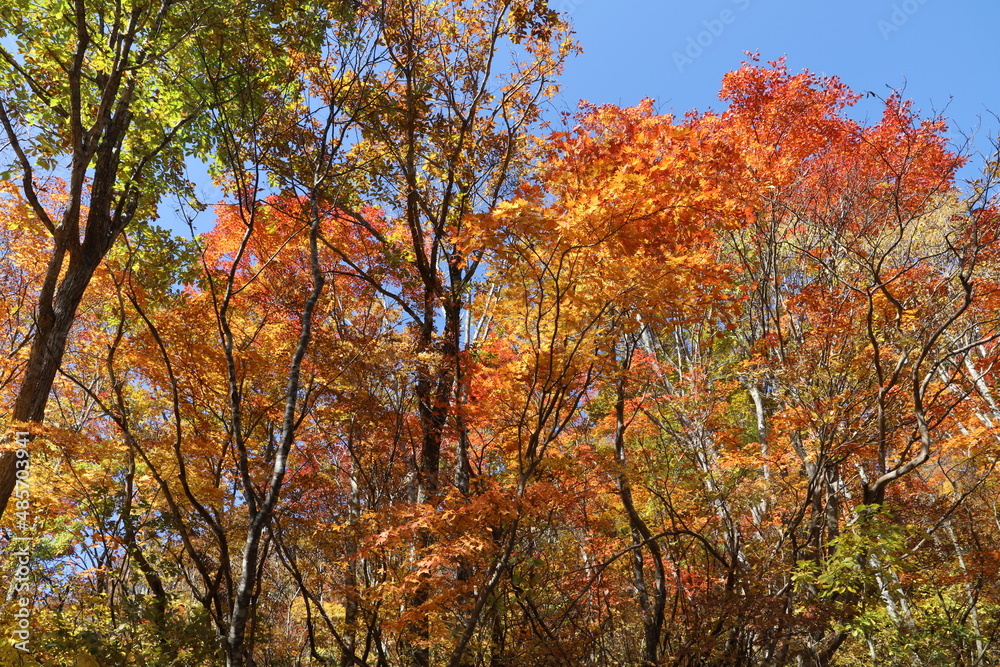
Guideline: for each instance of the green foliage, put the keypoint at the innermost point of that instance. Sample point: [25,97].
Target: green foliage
[857,559]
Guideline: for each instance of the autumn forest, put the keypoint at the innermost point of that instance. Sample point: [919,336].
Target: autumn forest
[456,380]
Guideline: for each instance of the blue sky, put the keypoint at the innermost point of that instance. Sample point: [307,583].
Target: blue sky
[945,53]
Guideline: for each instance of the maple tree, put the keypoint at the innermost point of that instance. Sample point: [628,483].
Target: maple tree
[441,388]
[110,99]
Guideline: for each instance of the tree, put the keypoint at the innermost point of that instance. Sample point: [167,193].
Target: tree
[640,390]
[114,98]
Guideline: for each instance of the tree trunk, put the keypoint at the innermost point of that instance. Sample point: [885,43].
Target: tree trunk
[47,348]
